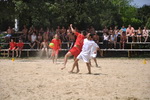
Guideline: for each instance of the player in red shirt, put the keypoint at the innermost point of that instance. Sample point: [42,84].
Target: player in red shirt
[12,47]
[75,51]
[19,48]
[56,48]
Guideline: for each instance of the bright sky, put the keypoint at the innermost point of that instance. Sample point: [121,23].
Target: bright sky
[140,3]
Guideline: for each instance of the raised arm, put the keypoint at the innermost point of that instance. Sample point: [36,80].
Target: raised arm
[72,28]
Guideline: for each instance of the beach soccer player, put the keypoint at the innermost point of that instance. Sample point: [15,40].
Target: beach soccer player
[19,48]
[93,54]
[76,49]
[55,48]
[12,47]
[85,53]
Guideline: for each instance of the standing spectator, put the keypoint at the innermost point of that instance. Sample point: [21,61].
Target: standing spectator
[139,34]
[12,47]
[41,31]
[145,34]
[63,34]
[105,30]
[19,48]
[116,31]
[9,34]
[33,40]
[110,31]
[25,33]
[58,30]
[51,35]
[123,39]
[130,33]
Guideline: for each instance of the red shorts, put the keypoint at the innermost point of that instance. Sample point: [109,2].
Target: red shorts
[55,52]
[12,48]
[75,51]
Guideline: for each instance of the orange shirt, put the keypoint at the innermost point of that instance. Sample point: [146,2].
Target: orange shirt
[79,40]
[12,44]
[20,44]
[57,43]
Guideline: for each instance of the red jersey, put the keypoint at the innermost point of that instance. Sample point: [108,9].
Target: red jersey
[12,44]
[57,43]
[20,44]
[79,40]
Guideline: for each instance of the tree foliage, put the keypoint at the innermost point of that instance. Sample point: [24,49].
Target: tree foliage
[82,13]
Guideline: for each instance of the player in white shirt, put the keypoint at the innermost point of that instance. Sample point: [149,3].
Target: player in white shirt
[93,54]
[85,53]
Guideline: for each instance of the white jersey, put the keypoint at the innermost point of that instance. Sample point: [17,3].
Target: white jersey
[86,50]
[94,50]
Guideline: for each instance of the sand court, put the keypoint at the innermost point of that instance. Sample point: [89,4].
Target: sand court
[40,79]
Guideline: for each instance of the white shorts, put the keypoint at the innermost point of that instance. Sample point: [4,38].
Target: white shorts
[93,55]
[84,57]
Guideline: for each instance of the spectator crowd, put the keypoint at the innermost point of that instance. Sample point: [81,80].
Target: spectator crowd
[109,36]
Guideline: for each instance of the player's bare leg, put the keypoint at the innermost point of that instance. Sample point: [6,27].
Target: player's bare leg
[66,59]
[95,62]
[89,68]
[75,64]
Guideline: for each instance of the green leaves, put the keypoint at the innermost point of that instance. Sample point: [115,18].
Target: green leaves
[83,13]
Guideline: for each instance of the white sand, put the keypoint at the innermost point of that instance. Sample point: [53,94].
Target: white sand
[35,79]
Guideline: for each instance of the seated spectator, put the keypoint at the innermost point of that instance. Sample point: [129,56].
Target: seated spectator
[19,48]
[117,33]
[123,39]
[145,34]
[123,29]
[113,40]
[92,30]
[139,34]
[71,39]
[105,40]
[39,40]
[33,40]
[9,34]
[30,32]
[44,47]
[130,33]
[12,47]
[96,38]
[51,34]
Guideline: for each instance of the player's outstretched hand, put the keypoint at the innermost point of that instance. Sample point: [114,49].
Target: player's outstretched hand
[70,25]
